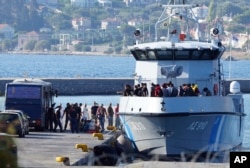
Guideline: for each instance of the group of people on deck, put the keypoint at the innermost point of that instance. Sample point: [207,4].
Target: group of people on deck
[165,90]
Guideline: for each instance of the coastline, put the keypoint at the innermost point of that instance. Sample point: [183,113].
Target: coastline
[236,55]
[64,53]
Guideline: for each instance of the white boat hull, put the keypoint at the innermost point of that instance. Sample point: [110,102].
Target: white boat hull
[176,132]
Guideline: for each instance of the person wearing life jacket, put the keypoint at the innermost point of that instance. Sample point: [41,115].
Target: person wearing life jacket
[215,89]
[195,89]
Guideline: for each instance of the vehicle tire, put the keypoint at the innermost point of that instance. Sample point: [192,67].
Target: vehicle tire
[27,131]
[42,128]
[39,128]
[20,134]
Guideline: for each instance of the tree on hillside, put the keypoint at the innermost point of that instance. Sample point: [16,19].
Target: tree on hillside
[22,22]
[212,10]
[42,45]
[80,12]
[86,48]
[8,45]
[228,8]
[63,3]
[118,4]
[21,15]
[243,18]
[128,29]
[78,47]
[30,45]
[5,16]
[11,11]
[60,22]
[35,21]
[235,28]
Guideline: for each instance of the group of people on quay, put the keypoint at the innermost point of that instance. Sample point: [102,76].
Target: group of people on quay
[77,117]
[166,90]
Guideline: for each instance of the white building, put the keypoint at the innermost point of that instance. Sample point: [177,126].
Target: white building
[110,23]
[135,22]
[48,2]
[138,2]
[81,23]
[105,3]
[6,32]
[83,3]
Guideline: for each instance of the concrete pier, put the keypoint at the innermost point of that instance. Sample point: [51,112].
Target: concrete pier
[82,86]
[51,145]
[103,86]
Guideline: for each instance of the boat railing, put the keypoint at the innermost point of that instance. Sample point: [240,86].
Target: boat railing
[175,10]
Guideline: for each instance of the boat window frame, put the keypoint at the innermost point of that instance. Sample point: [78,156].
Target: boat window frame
[175,54]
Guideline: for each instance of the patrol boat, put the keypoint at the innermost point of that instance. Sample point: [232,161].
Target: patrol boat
[182,53]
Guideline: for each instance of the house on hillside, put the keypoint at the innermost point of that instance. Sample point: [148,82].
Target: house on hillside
[48,2]
[138,2]
[6,32]
[237,40]
[65,39]
[110,23]
[105,3]
[243,40]
[24,39]
[136,22]
[81,23]
[83,3]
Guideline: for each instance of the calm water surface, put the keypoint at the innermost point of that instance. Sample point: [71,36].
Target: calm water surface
[71,66]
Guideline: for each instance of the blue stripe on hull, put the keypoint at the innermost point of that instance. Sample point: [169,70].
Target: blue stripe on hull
[215,130]
[182,133]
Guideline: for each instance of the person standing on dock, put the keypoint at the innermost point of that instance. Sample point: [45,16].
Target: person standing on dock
[73,116]
[58,118]
[79,113]
[110,114]
[101,114]
[94,111]
[51,115]
[117,119]
[66,113]
[85,115]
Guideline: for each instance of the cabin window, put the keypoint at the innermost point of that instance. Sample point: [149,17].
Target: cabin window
[164,54]
[181,55]
[151,55]
[139,54]
[174,54]
[196,54]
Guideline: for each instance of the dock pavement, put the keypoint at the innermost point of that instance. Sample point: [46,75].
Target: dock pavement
[41,149]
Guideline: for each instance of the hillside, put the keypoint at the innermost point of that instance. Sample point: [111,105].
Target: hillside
[238,55]
[27,16]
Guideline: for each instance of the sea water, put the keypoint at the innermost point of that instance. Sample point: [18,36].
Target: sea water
[75,66]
